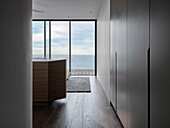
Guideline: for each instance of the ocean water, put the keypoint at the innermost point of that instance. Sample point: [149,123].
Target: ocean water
[77,61]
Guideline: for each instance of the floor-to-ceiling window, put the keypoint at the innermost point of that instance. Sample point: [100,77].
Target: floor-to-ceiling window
[38,39]
[71,40]
[60,40]
[82,47]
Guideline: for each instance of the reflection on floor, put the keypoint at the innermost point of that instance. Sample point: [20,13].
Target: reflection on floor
[78,110]
[84,72]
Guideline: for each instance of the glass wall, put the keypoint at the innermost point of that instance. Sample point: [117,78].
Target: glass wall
[82,45]
[38,39]
[71,40]
[60,40]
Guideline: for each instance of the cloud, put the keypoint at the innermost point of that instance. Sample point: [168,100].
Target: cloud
[58,50]
[39,37]
[38,45]
[81,50]
[82,37]
[38,27]
[38,51]
[59,30]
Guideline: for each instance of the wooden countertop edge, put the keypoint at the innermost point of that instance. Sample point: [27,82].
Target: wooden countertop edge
[34,61]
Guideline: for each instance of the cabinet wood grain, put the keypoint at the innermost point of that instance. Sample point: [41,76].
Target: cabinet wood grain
[49,80]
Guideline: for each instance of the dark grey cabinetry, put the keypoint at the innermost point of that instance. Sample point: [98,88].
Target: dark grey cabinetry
[137,47]
[160,64]
[130,42]
[140,62]
[121,62]
[113,53]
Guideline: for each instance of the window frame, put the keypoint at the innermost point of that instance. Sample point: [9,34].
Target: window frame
[70,20]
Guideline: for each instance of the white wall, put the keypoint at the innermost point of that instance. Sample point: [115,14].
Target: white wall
[16,64]
[103,66]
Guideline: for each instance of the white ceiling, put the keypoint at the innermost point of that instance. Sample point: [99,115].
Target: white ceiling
[66,9]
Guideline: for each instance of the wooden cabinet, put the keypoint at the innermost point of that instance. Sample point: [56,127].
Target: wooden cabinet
[49,80]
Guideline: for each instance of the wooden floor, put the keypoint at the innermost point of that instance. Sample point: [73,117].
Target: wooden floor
[83,72]
[78,110]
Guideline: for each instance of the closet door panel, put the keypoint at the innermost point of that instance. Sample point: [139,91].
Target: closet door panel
[121,62]
[137,46]
[160,63]
[113,53]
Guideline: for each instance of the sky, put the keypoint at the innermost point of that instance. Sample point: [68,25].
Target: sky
[82,37]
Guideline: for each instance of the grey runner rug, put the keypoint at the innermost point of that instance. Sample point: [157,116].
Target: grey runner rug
[78,84]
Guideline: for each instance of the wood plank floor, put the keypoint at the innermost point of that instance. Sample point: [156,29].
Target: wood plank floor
[83,72]
[78,110]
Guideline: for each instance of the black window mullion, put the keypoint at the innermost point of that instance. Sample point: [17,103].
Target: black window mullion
[44,39]
[49,39]
[69,46]
[95,48]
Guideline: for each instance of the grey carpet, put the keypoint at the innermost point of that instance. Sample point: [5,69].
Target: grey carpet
[78,84]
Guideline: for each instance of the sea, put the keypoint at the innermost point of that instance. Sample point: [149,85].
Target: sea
[77,61]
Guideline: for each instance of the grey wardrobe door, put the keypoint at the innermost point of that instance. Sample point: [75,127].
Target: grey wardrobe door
[121,62]
[160,64]
[137,45]
[113,53]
